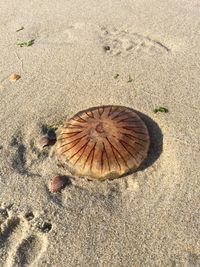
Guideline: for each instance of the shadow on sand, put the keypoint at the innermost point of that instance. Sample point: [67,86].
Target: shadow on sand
[156,141]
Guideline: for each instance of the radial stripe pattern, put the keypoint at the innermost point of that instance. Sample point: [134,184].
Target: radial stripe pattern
[102,142]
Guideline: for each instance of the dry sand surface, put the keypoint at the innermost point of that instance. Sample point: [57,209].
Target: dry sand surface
[149,218]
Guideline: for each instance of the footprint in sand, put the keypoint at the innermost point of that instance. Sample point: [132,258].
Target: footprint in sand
[57,34]
[194,260]
[21,244]
[125,42]
[188,260]
[25,155]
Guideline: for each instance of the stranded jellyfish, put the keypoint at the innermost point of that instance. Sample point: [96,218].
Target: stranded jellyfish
[103,142]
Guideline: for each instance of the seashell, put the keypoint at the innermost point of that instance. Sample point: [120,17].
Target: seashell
[46,141]
[14,77]
[102,142]
[58,183]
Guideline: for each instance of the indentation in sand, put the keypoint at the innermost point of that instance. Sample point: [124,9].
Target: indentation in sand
[60,35]
[188,259]
[126,41]
[26,157]
[22,244]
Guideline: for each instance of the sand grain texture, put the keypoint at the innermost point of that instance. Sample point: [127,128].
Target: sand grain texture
[149,218]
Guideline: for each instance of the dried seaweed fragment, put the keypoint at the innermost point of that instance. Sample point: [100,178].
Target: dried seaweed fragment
[161,109]
[28,43]
[20,29]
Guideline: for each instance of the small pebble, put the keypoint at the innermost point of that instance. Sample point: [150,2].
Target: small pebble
[46,227]
[29,215]
[14,77]
[58,183]
[106,48]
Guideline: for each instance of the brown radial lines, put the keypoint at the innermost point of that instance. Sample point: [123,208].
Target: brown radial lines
[103,142]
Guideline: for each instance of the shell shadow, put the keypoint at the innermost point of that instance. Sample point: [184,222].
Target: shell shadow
[156,141]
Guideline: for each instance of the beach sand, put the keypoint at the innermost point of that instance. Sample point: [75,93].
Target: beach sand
[149,218]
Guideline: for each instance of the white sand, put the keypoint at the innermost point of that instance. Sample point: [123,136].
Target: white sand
[150,218]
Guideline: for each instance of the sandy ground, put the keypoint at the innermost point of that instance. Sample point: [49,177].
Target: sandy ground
[150,218]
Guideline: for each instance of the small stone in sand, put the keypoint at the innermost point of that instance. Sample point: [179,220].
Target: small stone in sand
[116,76]
[58,183]
[29,215]
[106,48]
[14,77]
[46,227]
